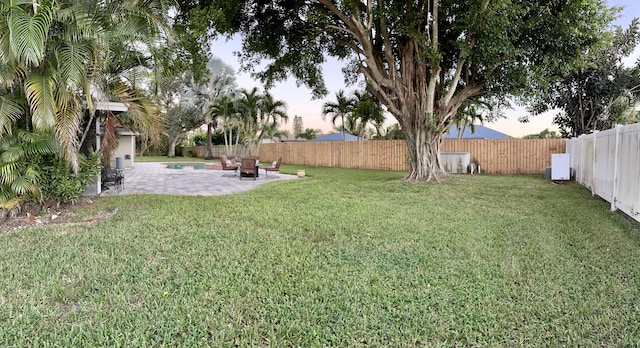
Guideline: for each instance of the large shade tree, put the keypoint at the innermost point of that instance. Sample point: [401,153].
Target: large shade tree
[421,59]
[599,93]
[188,101]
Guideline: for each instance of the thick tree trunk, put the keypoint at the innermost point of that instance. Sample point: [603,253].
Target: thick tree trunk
[209,155]
[171,152]
[423,147]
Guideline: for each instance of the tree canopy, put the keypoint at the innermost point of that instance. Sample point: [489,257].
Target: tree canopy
[599,92]
[421,59]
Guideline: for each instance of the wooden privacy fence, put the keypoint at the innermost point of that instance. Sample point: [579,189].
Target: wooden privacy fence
[505,156]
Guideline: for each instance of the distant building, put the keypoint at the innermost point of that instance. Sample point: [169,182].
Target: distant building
[480,132]
[335,137]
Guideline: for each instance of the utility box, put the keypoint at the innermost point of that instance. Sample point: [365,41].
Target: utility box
[455,162]
[560,166]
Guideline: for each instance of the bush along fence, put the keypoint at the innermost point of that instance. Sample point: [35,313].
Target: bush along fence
[217,151]
[608,163]
[505,156]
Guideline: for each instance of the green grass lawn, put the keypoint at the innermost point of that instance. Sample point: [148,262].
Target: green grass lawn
[342,258]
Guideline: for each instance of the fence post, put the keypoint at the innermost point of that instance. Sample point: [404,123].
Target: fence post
[616,155]
[593,170]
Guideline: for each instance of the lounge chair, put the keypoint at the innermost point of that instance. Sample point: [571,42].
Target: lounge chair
[274,168]
[227,165]
[248,168]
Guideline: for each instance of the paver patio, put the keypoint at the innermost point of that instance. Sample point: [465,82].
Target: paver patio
[156,178]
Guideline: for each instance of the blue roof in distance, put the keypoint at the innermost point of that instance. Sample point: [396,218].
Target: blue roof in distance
[481,132]
[336,137]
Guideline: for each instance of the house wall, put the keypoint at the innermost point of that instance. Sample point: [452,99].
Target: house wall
[126,149]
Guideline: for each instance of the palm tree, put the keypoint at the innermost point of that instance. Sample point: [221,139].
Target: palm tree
[276,134]
[468,114]
[222,81]
[367,110]
[249,107]
[58,57]
[271,112]
[226,110]
[342,108]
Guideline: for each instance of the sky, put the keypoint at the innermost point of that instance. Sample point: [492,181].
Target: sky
[300,102]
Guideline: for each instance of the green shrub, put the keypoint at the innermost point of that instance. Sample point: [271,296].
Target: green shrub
[199,139]
[60,184]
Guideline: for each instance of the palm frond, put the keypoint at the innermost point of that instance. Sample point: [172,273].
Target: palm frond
[12,154]
[22,185]
[10,112]
[9,201]
[28,33]
[11,76]
[8,173]
[68,126]
[39,89]
[144,116]
[6,54]
[109,140]
[73,59]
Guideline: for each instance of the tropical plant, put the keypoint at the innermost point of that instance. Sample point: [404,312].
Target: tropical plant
[222,82]
[274,133]
[340,109]
[545,134]
[57,58]
[308,134]
[177,95]
[226,109]
[391,133]
[271,113]
[20,175]
[367,110]
[190,104]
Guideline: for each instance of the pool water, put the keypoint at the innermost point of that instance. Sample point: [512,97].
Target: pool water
[187,166]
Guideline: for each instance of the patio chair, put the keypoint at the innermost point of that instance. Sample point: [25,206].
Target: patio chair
[248,168]
[112,177]
[227,165]
[275,167]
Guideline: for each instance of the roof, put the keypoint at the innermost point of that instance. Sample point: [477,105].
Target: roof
[335,137]
[481,132]
[111,106]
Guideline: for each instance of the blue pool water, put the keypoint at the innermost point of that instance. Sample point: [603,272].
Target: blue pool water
[186,166]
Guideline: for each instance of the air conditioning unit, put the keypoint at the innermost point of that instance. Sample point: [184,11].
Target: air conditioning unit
[560,166]
[455,162]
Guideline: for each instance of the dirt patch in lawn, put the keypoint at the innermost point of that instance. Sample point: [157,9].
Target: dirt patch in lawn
[36,215]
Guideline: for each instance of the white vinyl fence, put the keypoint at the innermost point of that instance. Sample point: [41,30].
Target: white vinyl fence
[608,162]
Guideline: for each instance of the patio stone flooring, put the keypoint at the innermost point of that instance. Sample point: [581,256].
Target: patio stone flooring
[155,178]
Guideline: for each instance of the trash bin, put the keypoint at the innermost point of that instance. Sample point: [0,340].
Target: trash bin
[119,163]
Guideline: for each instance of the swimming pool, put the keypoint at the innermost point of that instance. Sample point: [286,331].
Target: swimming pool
[186,166]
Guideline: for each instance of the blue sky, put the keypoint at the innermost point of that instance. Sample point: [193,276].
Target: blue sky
[300,103]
